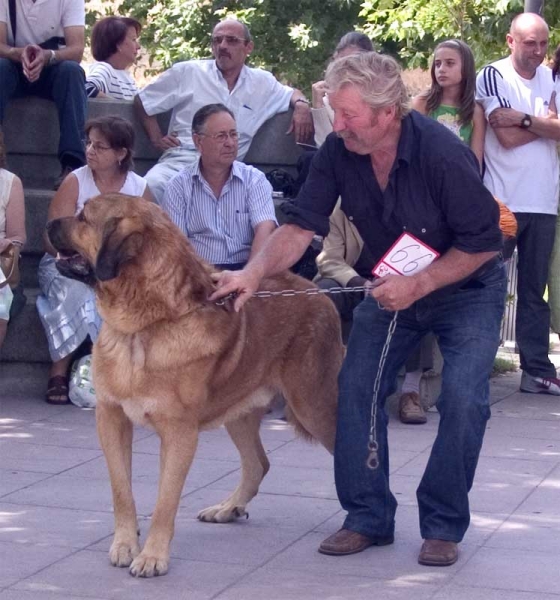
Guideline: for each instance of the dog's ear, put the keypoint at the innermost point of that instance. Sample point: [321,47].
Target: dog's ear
[121,243]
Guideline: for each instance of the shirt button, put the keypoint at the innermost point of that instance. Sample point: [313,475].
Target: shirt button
[404,227]
[350,218]
[423,230]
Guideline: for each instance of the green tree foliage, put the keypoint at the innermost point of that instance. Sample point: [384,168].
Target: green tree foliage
[294,38]
[414,27]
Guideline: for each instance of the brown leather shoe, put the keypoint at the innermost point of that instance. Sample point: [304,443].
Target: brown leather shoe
[438,553]
[411,410]
[345,541]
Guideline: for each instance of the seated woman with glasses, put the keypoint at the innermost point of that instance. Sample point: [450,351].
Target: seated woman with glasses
[67,307]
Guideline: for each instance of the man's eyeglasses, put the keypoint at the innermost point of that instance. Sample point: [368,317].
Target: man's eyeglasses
[222,136]
[96,147]
[231,40]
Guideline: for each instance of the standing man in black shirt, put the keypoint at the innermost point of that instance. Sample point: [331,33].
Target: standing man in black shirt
[398,172]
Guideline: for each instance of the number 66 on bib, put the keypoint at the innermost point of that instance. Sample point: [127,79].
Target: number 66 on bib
[407,256]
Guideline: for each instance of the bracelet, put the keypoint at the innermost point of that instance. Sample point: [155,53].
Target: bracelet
[52,58]
[304,100]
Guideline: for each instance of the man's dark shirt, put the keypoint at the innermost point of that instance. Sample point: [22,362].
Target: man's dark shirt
[434,192]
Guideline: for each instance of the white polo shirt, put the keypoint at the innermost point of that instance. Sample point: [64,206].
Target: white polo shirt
[188,86]
[38,21]
[525,178]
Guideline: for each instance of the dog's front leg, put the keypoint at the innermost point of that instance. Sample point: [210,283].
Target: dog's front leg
[178,445]
[115,435]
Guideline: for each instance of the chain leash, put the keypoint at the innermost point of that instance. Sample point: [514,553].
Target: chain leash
[373,445]
[288,293]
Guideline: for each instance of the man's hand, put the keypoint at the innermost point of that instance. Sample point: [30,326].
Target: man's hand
[318,91]
[505,117]
[33,59]
[165,142]
[302,123]
[396,292]
[244,283]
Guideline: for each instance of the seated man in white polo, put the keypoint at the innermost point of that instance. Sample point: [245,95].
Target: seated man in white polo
[223,206]
[254,95]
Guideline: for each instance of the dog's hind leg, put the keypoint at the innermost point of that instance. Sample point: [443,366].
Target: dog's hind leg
[115,435]
[254,465]
[311,392]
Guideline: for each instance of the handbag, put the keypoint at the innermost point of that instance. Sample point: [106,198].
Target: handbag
[9,263]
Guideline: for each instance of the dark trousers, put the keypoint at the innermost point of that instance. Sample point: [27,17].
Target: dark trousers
[64,84]
[467,325]
[421,357]
[535,240]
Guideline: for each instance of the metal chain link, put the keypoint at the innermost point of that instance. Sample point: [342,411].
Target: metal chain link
[307,292]
[373,446]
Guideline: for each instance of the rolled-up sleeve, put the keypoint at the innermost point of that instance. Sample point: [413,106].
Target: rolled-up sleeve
[470,210]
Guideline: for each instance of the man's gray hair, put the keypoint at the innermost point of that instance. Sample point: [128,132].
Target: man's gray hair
[377,76]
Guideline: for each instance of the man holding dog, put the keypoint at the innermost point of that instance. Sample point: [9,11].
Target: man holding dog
[223,206]
[41,46]
[397,172]
[253,95]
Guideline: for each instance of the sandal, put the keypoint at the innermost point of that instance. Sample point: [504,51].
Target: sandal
[57,390]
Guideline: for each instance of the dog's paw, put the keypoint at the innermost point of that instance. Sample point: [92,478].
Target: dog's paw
[122,554]
[222,513]
[145,565]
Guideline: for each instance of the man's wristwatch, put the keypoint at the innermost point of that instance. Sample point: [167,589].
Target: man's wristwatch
[526,122]
[52,58]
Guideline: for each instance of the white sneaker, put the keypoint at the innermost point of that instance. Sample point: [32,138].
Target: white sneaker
[540,385]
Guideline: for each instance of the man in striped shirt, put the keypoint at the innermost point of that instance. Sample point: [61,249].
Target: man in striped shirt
[223,206]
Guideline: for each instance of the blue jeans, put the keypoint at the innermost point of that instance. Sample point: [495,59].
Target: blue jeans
[64,84]
[466,323]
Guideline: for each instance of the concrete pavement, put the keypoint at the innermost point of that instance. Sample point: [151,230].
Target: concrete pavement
[56,514]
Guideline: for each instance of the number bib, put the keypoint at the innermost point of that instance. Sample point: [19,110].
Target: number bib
[407,256]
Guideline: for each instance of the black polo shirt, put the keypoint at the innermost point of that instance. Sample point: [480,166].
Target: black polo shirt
[435,192]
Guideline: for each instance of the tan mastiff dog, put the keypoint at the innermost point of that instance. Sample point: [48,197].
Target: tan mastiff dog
[169,359]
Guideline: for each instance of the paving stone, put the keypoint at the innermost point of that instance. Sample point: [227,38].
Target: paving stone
[488,568]
[90,574]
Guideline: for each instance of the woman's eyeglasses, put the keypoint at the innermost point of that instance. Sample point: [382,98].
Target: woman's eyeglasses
[96,147]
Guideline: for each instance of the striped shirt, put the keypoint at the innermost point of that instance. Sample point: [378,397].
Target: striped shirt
[117,83]
[220,229]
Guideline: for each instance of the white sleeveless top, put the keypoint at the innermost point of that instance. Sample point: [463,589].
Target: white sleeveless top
[134,185]
[6,180]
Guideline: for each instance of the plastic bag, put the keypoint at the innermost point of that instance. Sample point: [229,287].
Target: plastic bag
[80,390]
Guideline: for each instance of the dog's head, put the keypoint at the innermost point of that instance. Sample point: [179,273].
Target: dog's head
[106,235]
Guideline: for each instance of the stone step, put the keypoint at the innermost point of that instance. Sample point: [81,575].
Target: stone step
[24,379]
[37,203]
[26,340]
